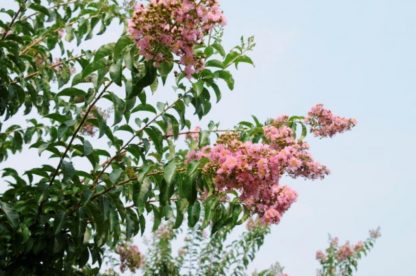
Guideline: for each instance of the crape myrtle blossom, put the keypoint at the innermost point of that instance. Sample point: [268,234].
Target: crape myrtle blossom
[324,124]
[130,257]
[194,134]
[164,27]
[254,169]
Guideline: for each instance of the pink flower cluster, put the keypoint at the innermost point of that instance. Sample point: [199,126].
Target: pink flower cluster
[293,155]
[163,27]
[324,124]
[271,206]
[254,170]
[341,253]
[130,257]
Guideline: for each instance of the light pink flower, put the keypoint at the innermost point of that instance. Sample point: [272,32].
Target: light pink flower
[320,256]
[324,124]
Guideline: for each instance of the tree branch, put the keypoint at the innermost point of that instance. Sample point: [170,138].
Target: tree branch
[8,28]
[52,66]
[77,130]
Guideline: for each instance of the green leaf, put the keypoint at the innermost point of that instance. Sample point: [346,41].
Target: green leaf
[170,171]
[161,106]
[11,215]
[92,67]
[219,48]
[180,207]
[179,217]
[304,131]
[244,59]
[216,89]
[198,87]
[227,77]
[193,213]
[209,207]
[139,198]
[57,117]
[115,175]
[68,169]
[88,149]
[116,70]
[72,92]
[121,44]
[104,51]
[39,8]
[165,68]
[59,221]
[157,138]
[119,107]
[146,80]
[204,138]
[209,51]
[157,218]
[215,63]
[231,58]
[144,107]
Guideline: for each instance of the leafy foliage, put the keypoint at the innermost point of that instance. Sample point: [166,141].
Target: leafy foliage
[57,217]
[203,254]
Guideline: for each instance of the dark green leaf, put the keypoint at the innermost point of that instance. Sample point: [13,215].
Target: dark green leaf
[68,169]
[194,211]
[116,72]
[11,215]
[72,92]
[121,44]
[88,149]
[59,221]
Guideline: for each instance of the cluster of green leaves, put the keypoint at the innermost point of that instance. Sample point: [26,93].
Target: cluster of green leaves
[57,217]
[205,255]
[31,33]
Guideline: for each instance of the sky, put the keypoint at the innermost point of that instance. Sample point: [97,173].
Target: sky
[358,58]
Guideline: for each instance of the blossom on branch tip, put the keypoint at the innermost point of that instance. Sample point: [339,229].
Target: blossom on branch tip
[325,124]
[165,27]
[254,169]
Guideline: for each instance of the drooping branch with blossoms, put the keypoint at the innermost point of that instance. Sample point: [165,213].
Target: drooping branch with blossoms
[254,169]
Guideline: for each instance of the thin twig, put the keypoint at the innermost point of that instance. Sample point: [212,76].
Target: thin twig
[33,74]
[43,36]
[92,105]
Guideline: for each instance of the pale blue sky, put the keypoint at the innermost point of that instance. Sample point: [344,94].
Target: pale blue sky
[356,57]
